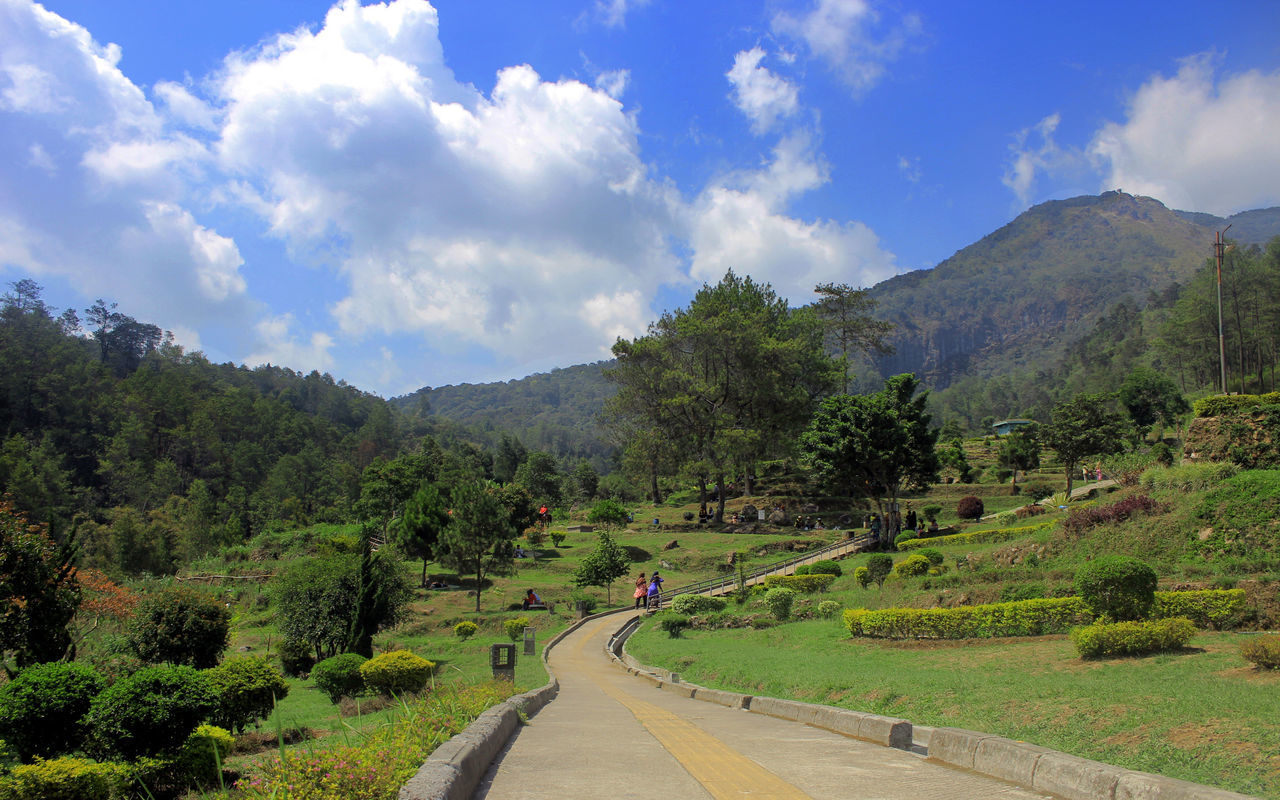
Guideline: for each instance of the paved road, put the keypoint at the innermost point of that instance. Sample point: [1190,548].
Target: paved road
[611,735]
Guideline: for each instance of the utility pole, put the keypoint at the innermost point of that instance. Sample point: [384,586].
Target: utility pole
[1220,246]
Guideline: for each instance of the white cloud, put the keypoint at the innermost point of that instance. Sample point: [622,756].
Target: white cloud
[613,13]
[1197,141]
[910,168]
[613,82]
[1034,152]
[101,199]
[186,108]
[849,37]
[758,93]
[741,223]
[278,345]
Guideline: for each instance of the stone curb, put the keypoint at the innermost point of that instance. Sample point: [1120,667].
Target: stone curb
[455,768]
[1020,763]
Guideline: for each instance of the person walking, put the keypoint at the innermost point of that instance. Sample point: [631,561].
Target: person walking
[642,592]
[655,590]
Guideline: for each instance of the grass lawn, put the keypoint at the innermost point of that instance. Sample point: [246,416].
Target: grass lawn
[1203,715]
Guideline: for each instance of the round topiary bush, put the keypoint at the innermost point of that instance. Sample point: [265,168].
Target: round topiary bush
[934,555]
[395,673]
[248,688]
[879,565]
[201,758]
[803,569]
[339,677]
[151,712]
[296,658]
[1263,651]
[514,627]
[912,565]
[970,507]
[180,626]
[863,576]
[905,536]
[1118,587]
[825,567]
[673,624]
[779,602]
[828,609]
[465,630]
[42,710]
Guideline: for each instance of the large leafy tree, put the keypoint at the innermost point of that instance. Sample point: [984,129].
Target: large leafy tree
[728,381]
[846,318]
[479,539]
[1152,397]
[39,593]
[329,602]
[1020,450]
[873,446]
[1081,427]
[603,566]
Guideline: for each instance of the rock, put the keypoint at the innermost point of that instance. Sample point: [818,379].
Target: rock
[671,545]
[243,648]
[779,516]
[809,508]
[665,565]
[750,512]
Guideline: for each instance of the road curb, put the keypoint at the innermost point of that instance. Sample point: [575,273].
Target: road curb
[1021,763]
[455,768]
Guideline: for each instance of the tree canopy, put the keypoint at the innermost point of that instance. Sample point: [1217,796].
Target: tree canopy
[1081,427]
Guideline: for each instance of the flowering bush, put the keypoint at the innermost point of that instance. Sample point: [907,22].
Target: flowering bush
[1081,519]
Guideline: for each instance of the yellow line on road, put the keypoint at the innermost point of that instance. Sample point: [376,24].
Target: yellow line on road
[722,771]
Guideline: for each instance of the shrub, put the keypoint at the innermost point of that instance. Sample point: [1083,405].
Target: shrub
[803,584]
[180,626]
[465,630]
[1082,519]
[905,536]
[690,604]
[65,778]
[931,512]
[340,676]
[673,624]
[608,513]
[397,672]
[1025,618]
[1262,651]
[534,536]
[248,688]
[557,538]
[584,600]
[201,758]
[1188,477]
[863,576]
[42,709]
[828,609]
[779,602]
[879,565]
[1217,406]
[970,507]
[151,712]
[934,555]
[1013,592]
[514,627]
[296,658]
[826,567]
[1132,638]
[803,569]
[914,564]
[1121,587]
[1030,511]
[1216,609]
[1006,518]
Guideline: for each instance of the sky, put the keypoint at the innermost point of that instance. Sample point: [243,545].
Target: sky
[418,193]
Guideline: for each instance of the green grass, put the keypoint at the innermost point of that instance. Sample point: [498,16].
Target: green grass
[1201,715]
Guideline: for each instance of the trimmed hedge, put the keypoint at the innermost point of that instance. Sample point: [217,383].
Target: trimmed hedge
[977,537]
[1121,587]
[1132,638]
[690,604]
[804,584]
[914,564]
[1020,618]
[66,778]
[1212,609]
[1221,405]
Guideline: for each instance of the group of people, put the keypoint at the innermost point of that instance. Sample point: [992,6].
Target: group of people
[648,592]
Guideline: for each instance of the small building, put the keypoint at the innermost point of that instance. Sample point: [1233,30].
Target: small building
[1007,426]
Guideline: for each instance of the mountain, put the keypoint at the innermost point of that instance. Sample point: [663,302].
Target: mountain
[1065,280]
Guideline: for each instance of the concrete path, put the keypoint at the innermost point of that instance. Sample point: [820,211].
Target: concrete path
[611,735]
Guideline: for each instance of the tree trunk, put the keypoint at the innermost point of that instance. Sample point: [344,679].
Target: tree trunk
[720,495]
[1071,474]
[749,483]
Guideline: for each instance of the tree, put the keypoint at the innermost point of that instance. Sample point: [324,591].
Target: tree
[953,463]
[180,626]
[382,595]
[603,566]
[314,598]
[846,317]
[479,540]
[39,593]
[541,477]
[586,480]
[425,517]
[1151,397]
[873,446]
[1020,450]
[1081,427]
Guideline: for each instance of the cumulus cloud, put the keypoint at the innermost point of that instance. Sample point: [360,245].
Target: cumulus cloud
[1197,141]
[100,199]
[460,216]
[851,38]
[758,93]
[741,223]
[279,345]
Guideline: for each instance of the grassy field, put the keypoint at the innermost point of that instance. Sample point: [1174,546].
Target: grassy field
[1202,715]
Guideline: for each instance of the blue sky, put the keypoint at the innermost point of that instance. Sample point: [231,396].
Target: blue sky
[409,194]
